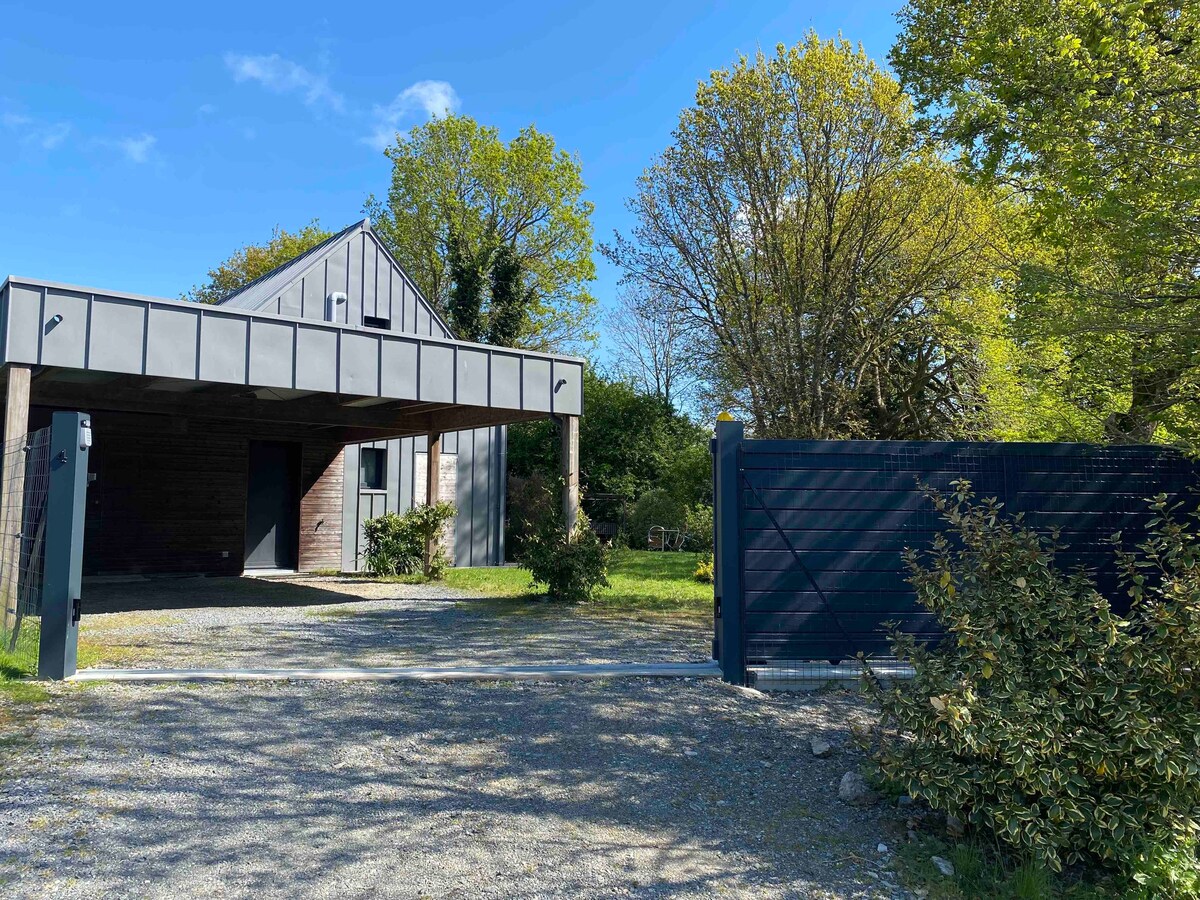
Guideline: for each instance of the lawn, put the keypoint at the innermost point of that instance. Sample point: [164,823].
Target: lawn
[639,581]
[22,662]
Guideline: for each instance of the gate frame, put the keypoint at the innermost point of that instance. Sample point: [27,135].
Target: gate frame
[729,642]
[62,573]
[736,501]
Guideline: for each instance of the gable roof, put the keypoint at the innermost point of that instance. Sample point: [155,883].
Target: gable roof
[264,290]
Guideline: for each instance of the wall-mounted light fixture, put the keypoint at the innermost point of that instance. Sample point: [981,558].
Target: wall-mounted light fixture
[561,382]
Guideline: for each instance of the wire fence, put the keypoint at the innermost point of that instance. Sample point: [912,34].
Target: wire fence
[24,480]
[798,674]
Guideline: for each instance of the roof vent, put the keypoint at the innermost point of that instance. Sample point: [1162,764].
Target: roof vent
[332,302]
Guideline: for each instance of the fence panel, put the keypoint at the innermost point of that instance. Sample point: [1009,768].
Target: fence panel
[816,530]
[25,464]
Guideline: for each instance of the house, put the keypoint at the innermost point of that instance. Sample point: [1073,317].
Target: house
[259,433]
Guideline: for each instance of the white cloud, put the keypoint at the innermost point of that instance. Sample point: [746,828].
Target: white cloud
[206,109]
[51,136]
[137,149]
[47,135]
[285,77]
[434,98]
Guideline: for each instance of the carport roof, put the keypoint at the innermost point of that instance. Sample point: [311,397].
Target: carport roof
[92,346]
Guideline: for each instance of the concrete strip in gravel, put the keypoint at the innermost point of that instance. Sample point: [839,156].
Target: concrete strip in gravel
[635,788]
[582,672]
[544,789]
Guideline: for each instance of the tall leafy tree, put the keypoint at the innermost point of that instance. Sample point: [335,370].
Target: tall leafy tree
[254,260]
[464,300]
[825,257]
[1090,112]
[511,299]
[652,346]
[454,177]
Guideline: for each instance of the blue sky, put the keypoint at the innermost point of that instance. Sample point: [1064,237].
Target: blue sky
[140,144]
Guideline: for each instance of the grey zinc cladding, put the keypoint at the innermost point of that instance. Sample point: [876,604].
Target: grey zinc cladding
[479,526]
[49,324]
[353,262]
[273,334]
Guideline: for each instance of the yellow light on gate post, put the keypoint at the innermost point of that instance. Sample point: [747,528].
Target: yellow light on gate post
[724,417]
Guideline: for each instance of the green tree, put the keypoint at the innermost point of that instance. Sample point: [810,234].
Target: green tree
[254,260]
[819,249]
[464,301]
[452,177]
[510,301]
[628,443]
[1088,110]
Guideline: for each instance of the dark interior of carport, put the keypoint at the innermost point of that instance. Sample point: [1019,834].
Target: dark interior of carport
[188,477]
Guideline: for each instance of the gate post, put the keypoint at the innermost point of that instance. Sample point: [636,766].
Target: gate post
[727,558]
[62,566]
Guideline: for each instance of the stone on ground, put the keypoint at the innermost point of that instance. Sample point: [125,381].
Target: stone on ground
[854,790]
[943,865]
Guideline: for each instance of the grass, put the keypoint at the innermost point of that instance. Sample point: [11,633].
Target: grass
[23,691]
[980,872]
[21,664]
[640,581]
[18,665]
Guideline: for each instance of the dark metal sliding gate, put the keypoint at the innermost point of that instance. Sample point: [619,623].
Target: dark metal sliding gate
[43,480]
[809,534]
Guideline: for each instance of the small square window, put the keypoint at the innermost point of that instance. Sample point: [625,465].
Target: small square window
[372,468]
[377,322]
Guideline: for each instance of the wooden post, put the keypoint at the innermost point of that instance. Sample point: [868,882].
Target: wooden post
[12,487]
[570,472]
[433,471]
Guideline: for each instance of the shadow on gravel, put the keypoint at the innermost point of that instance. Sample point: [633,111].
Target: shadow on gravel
[267,625]
[201,592]
[429,634]
[549,790]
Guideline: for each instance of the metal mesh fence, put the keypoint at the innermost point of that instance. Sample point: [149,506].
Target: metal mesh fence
[24,479]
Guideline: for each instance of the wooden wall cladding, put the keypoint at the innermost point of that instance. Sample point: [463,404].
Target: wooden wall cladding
[169,494]
[322,472]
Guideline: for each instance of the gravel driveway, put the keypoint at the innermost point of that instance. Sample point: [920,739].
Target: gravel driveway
[321,622]
[641,788]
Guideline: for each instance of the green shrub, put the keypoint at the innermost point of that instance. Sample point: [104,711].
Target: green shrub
[530,502]
[704,569]
[571,570]
[1068,732]
[654,507]
[396,542]
[698,523]
[1159,871]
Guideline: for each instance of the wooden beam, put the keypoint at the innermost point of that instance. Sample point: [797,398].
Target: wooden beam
[12,487]
[369,423]
[462,418]
[433,473]
[570,472]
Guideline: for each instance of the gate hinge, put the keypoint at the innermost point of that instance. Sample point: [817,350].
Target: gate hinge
[76,610]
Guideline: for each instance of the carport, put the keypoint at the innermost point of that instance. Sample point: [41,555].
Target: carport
[219,431]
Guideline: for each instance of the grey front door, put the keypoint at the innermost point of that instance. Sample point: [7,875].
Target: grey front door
[271,506]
